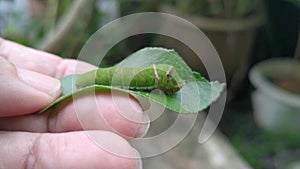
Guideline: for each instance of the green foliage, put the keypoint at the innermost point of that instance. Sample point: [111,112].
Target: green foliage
[89,21]
[257,146]
[296,2]
[45,23]
[196,95]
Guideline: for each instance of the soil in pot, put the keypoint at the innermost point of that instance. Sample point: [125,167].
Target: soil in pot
[289,84]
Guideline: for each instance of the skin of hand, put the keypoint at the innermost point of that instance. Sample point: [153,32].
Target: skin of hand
[66,136]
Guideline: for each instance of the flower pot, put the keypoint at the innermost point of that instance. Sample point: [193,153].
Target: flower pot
[275,108]
[232,38]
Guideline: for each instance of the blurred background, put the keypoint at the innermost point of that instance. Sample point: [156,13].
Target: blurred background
[259,45]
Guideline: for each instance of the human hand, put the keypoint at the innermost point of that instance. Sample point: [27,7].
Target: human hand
[57,138]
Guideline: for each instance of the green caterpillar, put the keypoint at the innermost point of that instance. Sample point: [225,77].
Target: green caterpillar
[159,76]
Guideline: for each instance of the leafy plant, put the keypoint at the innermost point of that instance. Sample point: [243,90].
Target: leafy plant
[296,2]
[196,95]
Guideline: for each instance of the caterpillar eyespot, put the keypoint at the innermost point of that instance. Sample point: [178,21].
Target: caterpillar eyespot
[157,76]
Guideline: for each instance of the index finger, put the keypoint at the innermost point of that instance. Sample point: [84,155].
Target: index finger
[39,61]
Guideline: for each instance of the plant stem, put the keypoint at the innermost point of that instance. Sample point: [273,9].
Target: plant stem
[58,33]
[51,13]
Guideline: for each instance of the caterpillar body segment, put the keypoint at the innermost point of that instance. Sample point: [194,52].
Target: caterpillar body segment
[157,76]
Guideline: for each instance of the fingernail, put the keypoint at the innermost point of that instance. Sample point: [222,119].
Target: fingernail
[43,83]
[144,126]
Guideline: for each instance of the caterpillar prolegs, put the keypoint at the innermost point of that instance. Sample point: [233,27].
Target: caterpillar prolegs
[157,76]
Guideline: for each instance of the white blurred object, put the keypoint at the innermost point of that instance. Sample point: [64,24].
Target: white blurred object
[14,16]
[275,109]
[295,165]
[110,9]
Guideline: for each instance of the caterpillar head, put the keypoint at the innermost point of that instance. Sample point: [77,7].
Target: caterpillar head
[170,82]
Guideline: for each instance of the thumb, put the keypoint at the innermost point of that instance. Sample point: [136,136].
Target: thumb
[23,91]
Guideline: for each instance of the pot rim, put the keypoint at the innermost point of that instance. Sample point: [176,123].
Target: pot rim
[217,24]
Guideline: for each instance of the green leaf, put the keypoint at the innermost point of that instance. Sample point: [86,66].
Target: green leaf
[196,95]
